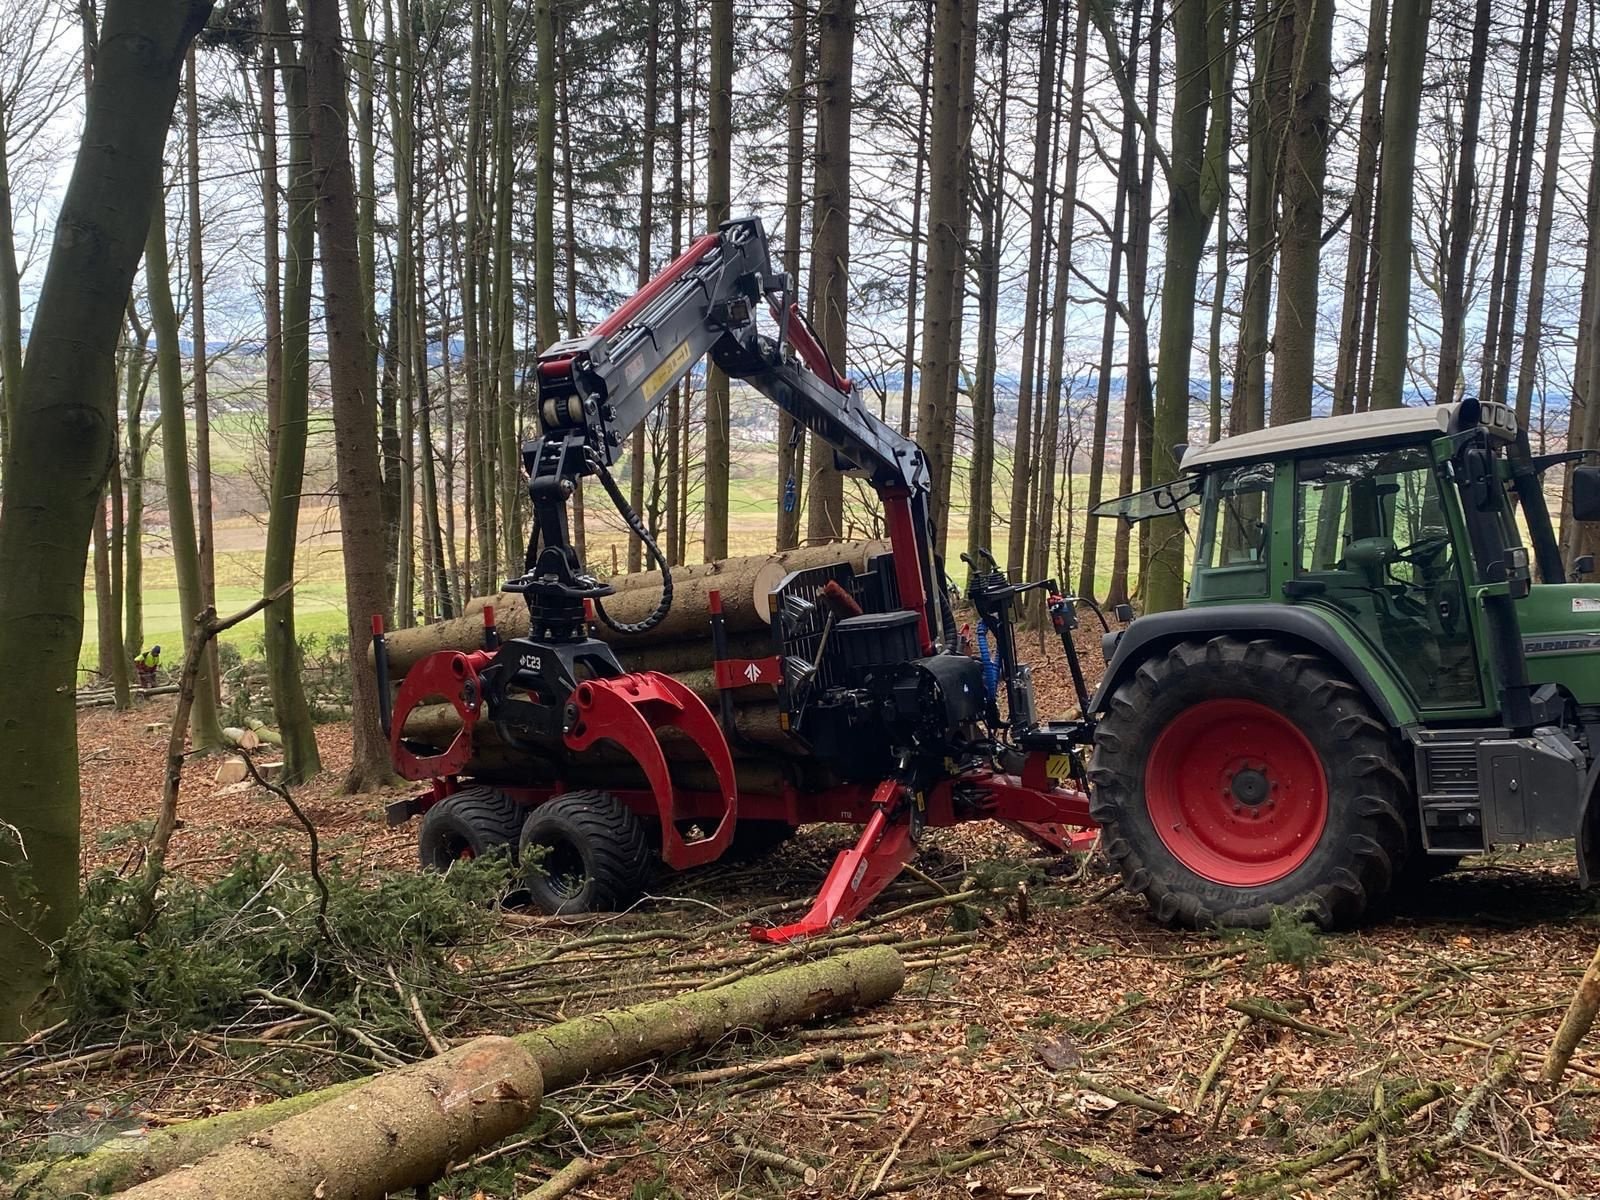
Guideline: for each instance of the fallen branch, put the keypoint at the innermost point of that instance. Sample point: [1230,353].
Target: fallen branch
[1217,1061]
[1576,1024]
[772,1066]
[576,1173]
[899,1144]
[1124,1095]
[379,1052]
[1274,1178]
[853,1032]
[567,1053]
[206,627]
[1263,1012]
[1505,1066]
[1516,1168]
[916,1178]
[802,1171]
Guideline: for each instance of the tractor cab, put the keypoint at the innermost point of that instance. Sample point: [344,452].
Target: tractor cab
[1390,558]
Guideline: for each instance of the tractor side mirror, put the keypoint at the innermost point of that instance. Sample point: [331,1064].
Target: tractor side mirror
[1581,566]
[1483,485]
[1586,493]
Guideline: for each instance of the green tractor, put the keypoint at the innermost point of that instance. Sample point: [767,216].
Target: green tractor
[1366,683]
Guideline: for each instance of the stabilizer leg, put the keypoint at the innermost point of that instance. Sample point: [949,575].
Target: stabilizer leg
[857,875]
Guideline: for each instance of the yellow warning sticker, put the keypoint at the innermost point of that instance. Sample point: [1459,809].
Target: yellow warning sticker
[658,380]
[1059,766]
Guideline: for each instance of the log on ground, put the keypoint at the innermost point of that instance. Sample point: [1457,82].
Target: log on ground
[566,1053]
[398,1131]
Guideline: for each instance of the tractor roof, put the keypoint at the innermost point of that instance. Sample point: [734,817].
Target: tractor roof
[1327,433]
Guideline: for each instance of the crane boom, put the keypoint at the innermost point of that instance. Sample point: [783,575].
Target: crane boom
[593,391]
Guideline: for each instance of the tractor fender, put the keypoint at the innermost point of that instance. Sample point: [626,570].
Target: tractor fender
[1158,632]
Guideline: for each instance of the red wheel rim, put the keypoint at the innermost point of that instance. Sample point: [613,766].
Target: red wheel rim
[1237,793]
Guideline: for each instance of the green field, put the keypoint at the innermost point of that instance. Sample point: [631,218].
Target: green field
[754,494]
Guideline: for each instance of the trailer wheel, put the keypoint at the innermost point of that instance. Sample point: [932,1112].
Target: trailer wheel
[584,852]
[470,824]
[1233,778]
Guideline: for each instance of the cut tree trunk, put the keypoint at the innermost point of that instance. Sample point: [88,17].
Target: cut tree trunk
[398,1131]
[566,1053]
[743,582]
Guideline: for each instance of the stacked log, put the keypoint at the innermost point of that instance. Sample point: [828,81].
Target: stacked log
[743,582]
[680,646]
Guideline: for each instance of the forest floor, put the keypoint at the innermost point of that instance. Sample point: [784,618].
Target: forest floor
[1051,1040]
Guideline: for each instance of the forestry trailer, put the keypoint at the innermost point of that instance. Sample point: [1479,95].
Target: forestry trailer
[1366,683]
[889,722]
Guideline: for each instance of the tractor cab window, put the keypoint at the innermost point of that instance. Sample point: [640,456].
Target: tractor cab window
[1232,563]
[1372,539]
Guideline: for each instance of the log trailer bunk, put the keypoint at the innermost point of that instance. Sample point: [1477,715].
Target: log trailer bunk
[900,728]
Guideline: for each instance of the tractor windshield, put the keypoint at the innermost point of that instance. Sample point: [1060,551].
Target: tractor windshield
[1372,539]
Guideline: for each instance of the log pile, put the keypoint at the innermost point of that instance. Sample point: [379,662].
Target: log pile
[680,646]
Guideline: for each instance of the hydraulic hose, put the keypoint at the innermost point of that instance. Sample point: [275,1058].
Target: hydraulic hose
[631,518]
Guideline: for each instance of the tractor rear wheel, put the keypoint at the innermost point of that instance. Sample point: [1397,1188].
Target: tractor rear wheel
[474,822]
[584,852]
[1233,778]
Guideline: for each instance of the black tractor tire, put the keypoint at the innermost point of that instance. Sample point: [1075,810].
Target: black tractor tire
[1337,844]
[473,823]
[584,852]
[754,839]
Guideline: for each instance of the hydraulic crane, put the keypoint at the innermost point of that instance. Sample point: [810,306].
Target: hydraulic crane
[900,727]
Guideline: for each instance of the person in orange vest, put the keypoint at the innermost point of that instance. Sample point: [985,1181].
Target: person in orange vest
[146,665]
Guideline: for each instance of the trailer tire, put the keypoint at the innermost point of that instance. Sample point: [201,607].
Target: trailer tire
[1232,778]
[473,823]
[584,852]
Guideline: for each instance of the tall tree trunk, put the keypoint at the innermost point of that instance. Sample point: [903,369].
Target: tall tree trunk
[138,442]
[791,436]
[205,730]
[676,415]
[512,542]
[1067,223]
[1088,561]
[1408,41]
[647,216]
[10,297]
[1533,328]
[936,416]
[204,521]
[830,234]
[990,208]
[1356,284]
[1022,458]
[480,498]
[908,363]
[1192,200]
[1303,64]
[351,384]
[301,758]
[719,185]
[105,611]
[60,444]
[544,215]
[1463,205]
[119,650]
[1130,189]
[271,226]
[1513,199]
